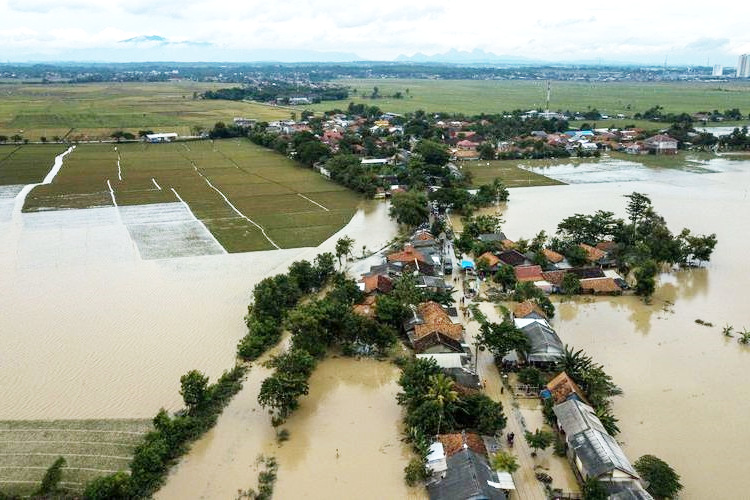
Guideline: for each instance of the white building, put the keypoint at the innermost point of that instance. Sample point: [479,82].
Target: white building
[718,70]
[743,66]
[168,137]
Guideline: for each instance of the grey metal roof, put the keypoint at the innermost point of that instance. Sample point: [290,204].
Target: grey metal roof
[546,346]
[626,490]
[490,237]
[466,479]
[432,282]
[598,451]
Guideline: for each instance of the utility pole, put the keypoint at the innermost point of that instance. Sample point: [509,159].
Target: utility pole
[548,92]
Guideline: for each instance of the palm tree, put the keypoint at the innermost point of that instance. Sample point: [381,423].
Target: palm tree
[505,461]
[574,363]
[344,247]
[608,420]
[441,391]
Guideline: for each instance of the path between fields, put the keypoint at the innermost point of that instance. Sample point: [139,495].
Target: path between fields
[313,201]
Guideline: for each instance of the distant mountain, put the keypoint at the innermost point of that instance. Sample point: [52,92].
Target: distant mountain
[145,38]
[476,56]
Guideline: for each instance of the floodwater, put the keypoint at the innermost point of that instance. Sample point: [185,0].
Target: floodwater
[346,433]
[685,395]
[92,330]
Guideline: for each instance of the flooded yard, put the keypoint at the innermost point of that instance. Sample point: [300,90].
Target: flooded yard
[684,390]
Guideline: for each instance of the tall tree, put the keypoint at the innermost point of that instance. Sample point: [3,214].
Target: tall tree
[662,480]
[409,208]
[501,338]
[194,390]
[344,247]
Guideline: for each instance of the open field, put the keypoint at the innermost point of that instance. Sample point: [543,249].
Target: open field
[92,111]
[26,164]
[248,197]
[508,171]
[91,448]
[486,96]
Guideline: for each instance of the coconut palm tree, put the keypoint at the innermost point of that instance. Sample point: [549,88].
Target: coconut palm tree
[505,461]
[442,392]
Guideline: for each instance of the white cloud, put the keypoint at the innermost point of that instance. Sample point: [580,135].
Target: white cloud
[642,30]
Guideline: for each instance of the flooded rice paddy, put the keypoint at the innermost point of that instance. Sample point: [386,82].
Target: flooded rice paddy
[91,329]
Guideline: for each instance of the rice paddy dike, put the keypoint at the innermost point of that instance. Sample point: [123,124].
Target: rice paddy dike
[248,197]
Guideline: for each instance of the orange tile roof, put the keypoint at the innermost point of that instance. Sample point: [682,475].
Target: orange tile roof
[594,254]
[508,244]
[377,282]
[606,246]
[436,320]
[563,386]
[600,285]
[453,443]
[424,236]
[408,254]
[527,307]
[491,259]
[528,273]
[367,307]
[552,256]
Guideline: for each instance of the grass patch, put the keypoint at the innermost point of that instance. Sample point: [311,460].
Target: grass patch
[509,172]
[263,185]
[91,448]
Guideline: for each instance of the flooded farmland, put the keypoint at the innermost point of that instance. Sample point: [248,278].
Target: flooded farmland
[685,398]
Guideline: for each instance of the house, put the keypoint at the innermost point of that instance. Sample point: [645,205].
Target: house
[661,144]
[600,286]
[465,155]
[431,330]
[593,254]
[491,261]
[432,283]
[512,258]
[636,148]
[528,273]
[467,474]
[492,237]
[167,137]
[528,309]
[562,388]
[367,307]
[591,449]
[412,258]
[555,278]
[545,347]
[558,261]
[376,283]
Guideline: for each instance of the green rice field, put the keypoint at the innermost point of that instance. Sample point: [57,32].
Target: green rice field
[80,112]
[493,96]
[295,206]
[508,171]
[27,164]
[91,448]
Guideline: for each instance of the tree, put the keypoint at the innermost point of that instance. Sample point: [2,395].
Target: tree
[531,376]
[52,477]
[608,420]
[442,392]
[501,338]
[637,208]
[593,489]
[344,247]
[433,153]
[662,480]
[504,461]
[409,208]
[505,276]
[645,283]
[486,151]
[194,390]
[112,487]
[539,439]
[478,411]
[571,285]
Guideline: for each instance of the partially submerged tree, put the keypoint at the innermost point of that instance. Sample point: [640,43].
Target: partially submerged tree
[344,247]
[662,480]
[51,479]
[539,439]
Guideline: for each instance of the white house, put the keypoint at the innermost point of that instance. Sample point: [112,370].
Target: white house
[168,137]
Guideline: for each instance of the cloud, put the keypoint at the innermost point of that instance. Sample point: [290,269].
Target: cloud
[707,44]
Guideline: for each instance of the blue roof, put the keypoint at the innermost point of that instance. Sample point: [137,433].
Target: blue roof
[466,263]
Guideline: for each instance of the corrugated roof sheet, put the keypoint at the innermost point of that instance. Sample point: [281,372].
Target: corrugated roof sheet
[546,346]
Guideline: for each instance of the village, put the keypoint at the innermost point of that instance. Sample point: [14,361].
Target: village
[452,334]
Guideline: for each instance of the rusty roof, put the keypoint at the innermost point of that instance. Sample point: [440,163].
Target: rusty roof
[562,386]
[593,254]
[528,273]
[527,307]
[377,282]
[436,320]
[552,256]
[408,254]
[492,259]
[554,277]
[453,443]
[600,285]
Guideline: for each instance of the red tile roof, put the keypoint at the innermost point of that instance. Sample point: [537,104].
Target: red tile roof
[492,259]
[563,386]
[377,282]
[554,277]
[408,254]
[453,443]
[528,273]
[436,320]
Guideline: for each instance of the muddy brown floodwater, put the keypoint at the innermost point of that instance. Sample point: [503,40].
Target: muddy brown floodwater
[89,330]
[686,398]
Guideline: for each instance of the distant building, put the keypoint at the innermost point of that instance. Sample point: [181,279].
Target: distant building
[168,137]
[743,66]
[718,70]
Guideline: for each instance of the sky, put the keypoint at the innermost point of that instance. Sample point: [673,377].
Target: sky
[646,32]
